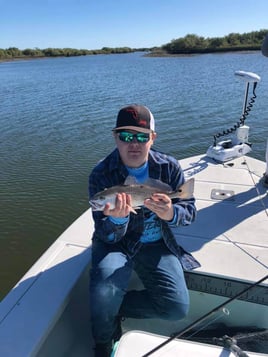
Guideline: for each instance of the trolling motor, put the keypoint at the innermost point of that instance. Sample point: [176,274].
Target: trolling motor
[239,145]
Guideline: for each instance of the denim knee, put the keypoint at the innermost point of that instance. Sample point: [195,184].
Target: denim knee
[107,296]
[172,310]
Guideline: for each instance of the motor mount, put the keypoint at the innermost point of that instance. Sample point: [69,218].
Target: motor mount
[238,145]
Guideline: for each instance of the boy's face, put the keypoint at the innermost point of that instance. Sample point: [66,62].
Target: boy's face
[134,154]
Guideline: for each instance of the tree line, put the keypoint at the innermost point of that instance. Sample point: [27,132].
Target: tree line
[188,44]
[192,43]
[15,53]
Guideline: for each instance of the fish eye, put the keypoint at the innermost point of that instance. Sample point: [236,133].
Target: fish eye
[102,197]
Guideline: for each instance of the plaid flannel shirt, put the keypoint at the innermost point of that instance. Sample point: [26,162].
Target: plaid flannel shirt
[111,172]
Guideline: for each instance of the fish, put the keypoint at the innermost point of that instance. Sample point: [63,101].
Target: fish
[139,193]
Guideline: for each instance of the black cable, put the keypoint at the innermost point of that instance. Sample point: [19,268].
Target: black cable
[242,119]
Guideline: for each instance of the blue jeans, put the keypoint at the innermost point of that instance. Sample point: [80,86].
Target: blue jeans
[165,294]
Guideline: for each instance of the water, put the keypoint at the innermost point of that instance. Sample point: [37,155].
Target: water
[56,117]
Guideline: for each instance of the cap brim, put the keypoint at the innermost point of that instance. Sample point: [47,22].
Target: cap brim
[135,128]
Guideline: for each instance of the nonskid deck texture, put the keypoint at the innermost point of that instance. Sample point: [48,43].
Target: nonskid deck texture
[230,235]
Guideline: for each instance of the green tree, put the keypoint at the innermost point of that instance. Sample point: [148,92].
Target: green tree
[3,53]
[233,39]
[14,52]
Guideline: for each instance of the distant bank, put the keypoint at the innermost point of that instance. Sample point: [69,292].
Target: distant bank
[190,44]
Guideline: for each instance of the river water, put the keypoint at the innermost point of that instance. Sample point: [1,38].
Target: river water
[56,117]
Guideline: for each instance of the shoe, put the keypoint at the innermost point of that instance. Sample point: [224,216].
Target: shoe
[103,349]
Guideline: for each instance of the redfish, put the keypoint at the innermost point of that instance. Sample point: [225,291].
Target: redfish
[140,192]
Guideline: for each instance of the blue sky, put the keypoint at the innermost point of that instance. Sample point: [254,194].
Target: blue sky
[93,24]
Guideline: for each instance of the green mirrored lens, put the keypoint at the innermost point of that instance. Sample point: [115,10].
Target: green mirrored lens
[142,137]
[127,137]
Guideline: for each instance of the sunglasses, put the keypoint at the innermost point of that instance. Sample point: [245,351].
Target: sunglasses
[127,137]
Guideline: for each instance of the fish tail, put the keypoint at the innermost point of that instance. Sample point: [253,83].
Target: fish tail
[186,190]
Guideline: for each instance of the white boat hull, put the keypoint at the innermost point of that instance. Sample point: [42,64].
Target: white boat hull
[138,343]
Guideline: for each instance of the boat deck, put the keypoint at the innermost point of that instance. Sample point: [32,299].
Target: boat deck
[230,234]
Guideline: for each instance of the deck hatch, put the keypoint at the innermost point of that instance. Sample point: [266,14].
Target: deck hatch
[218,194]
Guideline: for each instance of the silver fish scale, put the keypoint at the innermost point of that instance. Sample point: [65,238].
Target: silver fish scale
[139,193]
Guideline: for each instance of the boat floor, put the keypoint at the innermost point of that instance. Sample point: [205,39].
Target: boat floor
[230,235]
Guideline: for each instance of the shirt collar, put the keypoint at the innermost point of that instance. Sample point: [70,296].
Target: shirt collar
[115,163]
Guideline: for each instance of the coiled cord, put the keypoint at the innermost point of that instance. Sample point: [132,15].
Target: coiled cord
[241,120]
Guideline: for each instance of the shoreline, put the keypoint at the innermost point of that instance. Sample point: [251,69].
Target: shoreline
[148,54]
[190,54]
[16,59]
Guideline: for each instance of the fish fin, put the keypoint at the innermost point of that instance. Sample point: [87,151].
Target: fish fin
[159,185]
[132,210]
[186,190]
[151,182]
[130,180]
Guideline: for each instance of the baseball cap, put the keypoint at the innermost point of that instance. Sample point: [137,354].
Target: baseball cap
[135,117]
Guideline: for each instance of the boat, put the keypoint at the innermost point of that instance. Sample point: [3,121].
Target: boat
[47,311]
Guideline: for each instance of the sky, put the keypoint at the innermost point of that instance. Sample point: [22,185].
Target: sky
[93,24]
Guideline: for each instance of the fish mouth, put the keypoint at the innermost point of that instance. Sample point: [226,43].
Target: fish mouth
[95,206]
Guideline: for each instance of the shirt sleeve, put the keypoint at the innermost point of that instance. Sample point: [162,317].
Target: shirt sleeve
[184,209]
